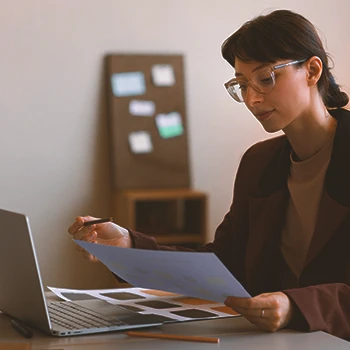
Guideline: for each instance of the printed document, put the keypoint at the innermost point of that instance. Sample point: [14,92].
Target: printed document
[199,275]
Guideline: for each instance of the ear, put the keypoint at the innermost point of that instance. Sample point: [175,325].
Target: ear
[314,70]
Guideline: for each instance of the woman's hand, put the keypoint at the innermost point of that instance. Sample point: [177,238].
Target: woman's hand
[268,311]
[107,233]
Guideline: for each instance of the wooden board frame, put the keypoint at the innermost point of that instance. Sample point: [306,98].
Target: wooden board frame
[167,166]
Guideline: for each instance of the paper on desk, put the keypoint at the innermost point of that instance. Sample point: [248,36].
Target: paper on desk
[200,275]
[173,306]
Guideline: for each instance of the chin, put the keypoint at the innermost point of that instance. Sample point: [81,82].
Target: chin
[271,129]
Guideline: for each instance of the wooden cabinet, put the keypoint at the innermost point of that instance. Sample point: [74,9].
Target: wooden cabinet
[172,216]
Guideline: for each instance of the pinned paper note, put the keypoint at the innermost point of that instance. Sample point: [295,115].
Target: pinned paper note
[163,75]
[142,108]
[169,125]
[128,84]
[140,142]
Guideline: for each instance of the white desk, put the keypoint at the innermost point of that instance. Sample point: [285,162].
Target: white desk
[234,334]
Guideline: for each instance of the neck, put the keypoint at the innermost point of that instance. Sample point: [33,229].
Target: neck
[308,134]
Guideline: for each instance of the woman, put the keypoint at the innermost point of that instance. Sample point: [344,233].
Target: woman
[286,237]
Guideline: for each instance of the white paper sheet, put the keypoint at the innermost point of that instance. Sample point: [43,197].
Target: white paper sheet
[163,75]
[140,142]
[142,108]
[200,275]
[175,306]
[128,84]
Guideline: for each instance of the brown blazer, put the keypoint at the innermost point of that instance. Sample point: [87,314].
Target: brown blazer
[247,241]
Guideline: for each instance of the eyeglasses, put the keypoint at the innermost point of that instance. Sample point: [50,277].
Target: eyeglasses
[262,81]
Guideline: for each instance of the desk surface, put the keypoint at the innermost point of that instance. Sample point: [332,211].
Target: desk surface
[234,333]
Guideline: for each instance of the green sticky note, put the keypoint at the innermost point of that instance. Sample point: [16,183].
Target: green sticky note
[169,125]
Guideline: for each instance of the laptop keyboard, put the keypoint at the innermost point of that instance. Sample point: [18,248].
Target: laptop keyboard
[72,316]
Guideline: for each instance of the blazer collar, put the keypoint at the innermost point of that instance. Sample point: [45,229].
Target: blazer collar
[331,215]
[335,203]
[338,173]
[275,176]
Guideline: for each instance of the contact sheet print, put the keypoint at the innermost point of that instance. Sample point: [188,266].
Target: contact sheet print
[171,306]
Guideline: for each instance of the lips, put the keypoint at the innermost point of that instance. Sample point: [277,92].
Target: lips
[263,115]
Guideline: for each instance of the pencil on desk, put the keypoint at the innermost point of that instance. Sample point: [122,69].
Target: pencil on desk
[174,337]
[98,221]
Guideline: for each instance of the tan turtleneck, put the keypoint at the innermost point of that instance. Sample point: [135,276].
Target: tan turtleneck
[306,186]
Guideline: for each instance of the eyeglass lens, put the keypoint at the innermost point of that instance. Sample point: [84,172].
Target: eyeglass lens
[262,81]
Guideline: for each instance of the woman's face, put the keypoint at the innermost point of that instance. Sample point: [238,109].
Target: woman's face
[286,103]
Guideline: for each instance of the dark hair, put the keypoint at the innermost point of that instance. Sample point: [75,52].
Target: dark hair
[284,34]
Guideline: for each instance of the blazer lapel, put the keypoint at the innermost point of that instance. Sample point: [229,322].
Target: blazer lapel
[330,216]
[335,203]
[267,208]
[338,173]
[266,219]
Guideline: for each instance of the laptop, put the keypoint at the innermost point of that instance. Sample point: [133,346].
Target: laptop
[22,294]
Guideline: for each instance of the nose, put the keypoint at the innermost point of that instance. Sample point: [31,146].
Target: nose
[253,97]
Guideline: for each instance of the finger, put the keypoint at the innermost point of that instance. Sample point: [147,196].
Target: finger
[262,301]
[255,313]
[90,237]
[242,303]
[86,255]
[79,222]
[76,226]
[89,256]
[79,249]
[85,233]
[262,323]
[269,318]
[93,258]
[265,323]
[252,307]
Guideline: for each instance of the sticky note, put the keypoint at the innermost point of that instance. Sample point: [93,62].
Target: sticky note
[140,142]
[128,84]
[142,108]
[169,125]
[163,75]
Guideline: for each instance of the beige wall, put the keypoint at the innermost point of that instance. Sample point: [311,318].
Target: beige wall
[53,147]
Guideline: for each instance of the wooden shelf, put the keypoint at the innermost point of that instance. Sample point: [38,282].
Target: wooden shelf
[158,194]
[172,216]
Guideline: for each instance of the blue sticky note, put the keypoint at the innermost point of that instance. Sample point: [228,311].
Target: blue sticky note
[128,84]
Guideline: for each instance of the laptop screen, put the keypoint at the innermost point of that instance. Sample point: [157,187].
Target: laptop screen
[21,294]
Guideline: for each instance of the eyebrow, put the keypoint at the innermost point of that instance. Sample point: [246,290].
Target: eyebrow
[237,74]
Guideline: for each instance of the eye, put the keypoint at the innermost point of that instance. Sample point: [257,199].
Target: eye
[242,86]
[266,81]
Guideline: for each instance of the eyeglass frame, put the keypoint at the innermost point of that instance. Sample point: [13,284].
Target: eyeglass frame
[271,69]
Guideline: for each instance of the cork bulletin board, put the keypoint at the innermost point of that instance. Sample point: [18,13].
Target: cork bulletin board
[147,121]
